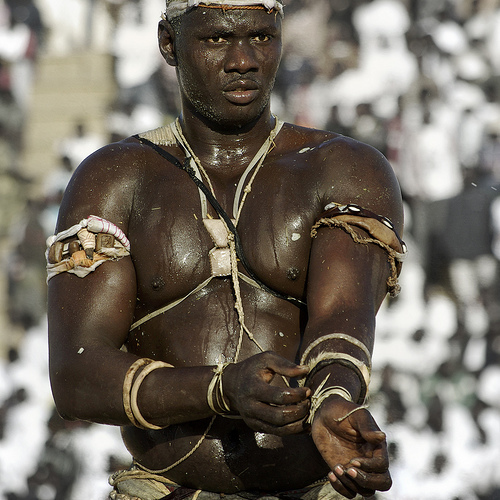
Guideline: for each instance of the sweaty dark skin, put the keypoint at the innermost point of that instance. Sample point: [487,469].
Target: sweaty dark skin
[226,63]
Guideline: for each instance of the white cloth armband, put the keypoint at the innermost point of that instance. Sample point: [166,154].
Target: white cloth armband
[84,247]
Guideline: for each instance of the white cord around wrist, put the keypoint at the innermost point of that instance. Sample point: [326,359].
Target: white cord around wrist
[322,393]
[215,392]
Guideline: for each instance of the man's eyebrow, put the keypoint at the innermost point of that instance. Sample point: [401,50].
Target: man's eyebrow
[263,30]
[210,31]
[221,31]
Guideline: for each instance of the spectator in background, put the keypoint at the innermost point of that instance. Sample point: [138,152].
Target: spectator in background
[489,156]
[20,36]
[26,269]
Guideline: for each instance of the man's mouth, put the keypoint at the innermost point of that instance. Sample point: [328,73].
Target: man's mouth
[241,92]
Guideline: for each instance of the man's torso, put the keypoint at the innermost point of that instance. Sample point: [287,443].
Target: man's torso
[170,247]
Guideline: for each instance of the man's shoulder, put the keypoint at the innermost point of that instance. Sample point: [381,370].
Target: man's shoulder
[306,135]
[346,170]
[329,145]
[124,159]
[110,174]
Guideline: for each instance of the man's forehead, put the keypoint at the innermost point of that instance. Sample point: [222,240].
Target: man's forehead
[206,22]
[176,8]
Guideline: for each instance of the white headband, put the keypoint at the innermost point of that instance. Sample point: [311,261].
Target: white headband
[176,8]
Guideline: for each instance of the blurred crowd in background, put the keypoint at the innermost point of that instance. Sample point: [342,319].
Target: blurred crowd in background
[417,79]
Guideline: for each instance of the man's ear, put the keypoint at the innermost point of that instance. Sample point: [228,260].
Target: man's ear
[166,37]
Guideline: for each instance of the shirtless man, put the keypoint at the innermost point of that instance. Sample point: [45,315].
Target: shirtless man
[234,363]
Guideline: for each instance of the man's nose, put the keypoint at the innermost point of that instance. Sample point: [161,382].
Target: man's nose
[241,58]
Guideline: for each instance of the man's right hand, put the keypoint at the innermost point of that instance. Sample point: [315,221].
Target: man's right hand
[256,390]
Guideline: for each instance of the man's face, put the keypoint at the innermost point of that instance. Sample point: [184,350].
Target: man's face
[227,63]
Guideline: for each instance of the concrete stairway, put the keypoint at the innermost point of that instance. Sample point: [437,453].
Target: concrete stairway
[67,90]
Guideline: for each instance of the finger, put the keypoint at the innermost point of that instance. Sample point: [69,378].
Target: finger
[283,366]
[279,416]
[350,483]
[339,486]
[364,423]
[378,463]
[276,395]
[369,481]
[375,438]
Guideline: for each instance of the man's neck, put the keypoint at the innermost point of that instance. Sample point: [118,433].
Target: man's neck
[226,148]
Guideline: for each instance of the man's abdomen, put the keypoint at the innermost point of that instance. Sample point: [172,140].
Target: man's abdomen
[231,458]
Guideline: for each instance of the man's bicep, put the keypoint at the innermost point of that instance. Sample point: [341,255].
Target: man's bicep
[347,282]
[94,310]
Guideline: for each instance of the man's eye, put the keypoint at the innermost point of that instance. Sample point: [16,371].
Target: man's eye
[262,38]
[216,39]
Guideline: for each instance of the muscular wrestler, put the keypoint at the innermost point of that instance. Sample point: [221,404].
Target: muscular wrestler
[213,284]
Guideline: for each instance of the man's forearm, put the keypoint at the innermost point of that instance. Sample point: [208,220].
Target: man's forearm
[90,386]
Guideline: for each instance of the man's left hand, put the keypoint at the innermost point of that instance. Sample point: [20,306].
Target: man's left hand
[354,448]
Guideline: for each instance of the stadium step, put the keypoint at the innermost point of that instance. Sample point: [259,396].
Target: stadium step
[66,91]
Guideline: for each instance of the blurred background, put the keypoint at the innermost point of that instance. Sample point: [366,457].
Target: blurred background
[418,79]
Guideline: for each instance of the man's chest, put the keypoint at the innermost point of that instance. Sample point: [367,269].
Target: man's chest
[173,248]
